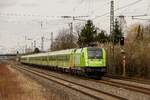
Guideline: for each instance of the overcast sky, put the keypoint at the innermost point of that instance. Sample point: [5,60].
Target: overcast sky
[20,18]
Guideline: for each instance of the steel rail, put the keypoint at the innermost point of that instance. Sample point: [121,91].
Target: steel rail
[117,84]
[142,81]
[127,86]
[95,93]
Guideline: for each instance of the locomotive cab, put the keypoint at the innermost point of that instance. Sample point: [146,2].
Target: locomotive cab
[95,60]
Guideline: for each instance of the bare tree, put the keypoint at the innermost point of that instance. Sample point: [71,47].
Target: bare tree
[64,40]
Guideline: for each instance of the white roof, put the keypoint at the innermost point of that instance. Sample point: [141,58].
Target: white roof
[50,53]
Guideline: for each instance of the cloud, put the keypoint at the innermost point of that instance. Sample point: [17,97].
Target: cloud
[7,3]
[30,5]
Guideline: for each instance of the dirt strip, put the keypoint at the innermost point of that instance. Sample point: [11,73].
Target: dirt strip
[16,86]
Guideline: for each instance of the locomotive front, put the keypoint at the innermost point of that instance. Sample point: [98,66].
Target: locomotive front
[95,60]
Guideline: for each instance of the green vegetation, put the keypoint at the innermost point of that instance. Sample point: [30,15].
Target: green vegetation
[102,37]
[87,34]
[117,33]
[36,50]
[136,47]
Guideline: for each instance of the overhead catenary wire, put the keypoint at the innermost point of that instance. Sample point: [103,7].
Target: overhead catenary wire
[43,20]
[6,14]
[36,15]
[128,5]
[142,19]
[39,20]
[42,16]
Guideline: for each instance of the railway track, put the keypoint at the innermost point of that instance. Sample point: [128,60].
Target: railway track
[126,86]
[142,81]
[130,87]
[92,92]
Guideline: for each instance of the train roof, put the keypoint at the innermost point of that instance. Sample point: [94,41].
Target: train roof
[68,51]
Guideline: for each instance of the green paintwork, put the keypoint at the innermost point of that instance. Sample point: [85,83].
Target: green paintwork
[75,58]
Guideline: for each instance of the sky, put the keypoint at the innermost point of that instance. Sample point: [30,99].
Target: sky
[23,18]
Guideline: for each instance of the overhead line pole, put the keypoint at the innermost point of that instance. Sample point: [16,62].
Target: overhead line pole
[42,43]
[112,29]
[111,17]
[128,5]
[42,38]
[51,46]
[71,32]
[34,44]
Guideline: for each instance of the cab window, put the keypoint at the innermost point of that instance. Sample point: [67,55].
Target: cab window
[94,53]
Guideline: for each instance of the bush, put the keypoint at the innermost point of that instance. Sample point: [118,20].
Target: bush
[137,59]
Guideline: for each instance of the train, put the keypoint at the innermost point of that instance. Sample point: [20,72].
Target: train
[86,61]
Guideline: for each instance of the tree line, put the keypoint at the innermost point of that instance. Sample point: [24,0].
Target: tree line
[88,35]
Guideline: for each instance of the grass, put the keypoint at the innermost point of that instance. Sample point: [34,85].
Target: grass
[13,86]
[16,86]
[8,85]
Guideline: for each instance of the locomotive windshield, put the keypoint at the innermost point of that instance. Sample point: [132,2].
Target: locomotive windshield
[94,53]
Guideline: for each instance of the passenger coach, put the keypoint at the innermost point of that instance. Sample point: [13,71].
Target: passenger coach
[88,60]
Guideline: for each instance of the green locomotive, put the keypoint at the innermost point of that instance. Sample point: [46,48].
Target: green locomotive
[88,60]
